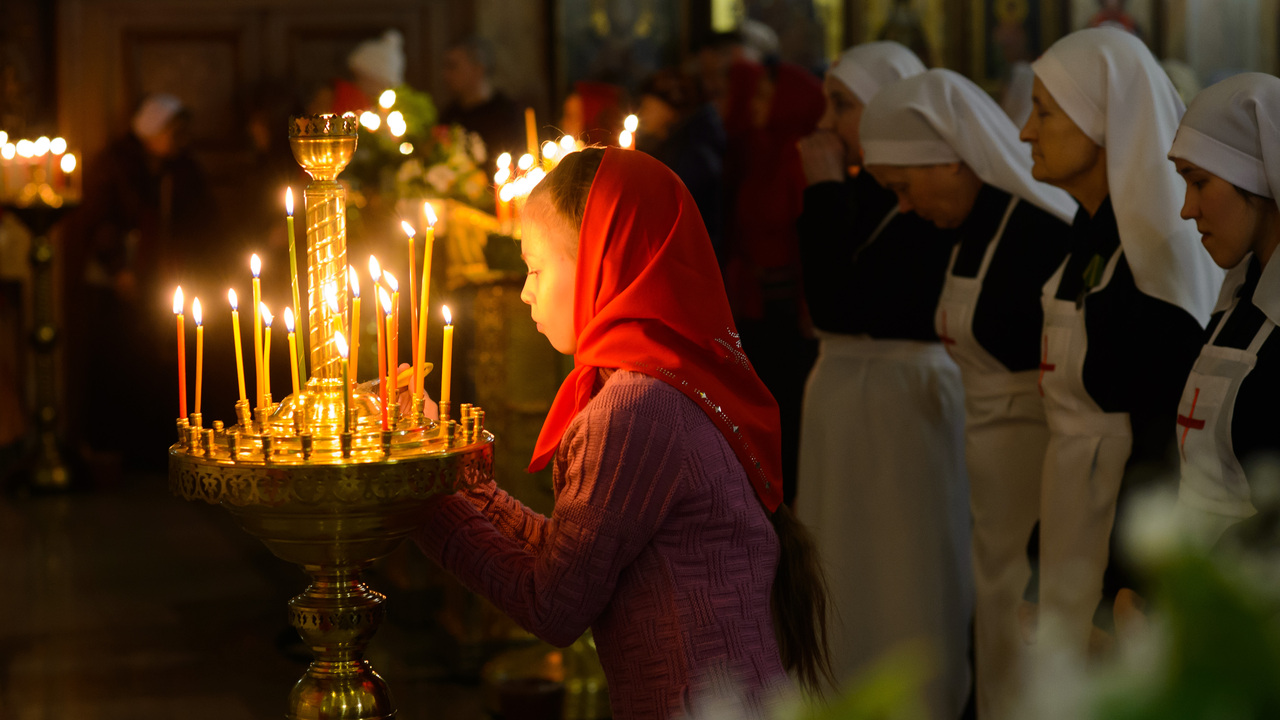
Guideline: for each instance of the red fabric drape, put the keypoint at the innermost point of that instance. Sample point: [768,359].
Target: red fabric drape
[648,298]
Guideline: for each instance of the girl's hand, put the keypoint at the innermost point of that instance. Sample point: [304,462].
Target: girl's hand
[822,156]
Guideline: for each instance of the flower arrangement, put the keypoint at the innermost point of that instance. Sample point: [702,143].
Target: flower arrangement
[452,166]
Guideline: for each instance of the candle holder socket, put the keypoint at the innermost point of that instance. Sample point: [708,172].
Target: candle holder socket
[267,442]
[346,445]
[196,420]
[444,412]
[182,426]
[306,445]
[386,443]
[242,414]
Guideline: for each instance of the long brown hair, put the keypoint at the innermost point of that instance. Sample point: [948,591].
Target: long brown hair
[799,594]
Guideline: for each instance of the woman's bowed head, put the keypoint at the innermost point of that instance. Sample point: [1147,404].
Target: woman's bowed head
[623,276]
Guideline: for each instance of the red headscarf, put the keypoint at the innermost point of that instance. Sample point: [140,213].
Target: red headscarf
[648,298]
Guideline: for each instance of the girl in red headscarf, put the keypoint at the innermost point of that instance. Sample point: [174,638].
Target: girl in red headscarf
[668,538]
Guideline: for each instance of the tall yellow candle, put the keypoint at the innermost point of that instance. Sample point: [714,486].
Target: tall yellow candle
[353,282]
[235,331]
[420,342]
[446,360]
[388,372]
[182,354]
[293,263]
[293,350]
[256,266]
[413,299]
[393,339]
[199,318]
[531,131]
[341,342]
[267,317]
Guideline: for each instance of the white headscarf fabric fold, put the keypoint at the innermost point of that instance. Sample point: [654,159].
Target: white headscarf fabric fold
[1113,89]
[942,117]
[1232,130]
[868,67]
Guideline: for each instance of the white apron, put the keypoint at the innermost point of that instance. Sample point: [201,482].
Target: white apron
[1214,493]
[1083,466]
[882,488]
[1005,439]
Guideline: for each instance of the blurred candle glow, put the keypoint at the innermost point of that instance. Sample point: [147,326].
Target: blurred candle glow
[293,349]
[526,161]
[353,282]
[267,317]
[370,121]
[446,359]
[387,99]
[198,316]
[235,330]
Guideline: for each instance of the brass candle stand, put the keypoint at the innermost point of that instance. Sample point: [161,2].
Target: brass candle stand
[330,493]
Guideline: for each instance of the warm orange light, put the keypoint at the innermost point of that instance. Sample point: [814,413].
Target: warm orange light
[526,161]
[371,121]
[353,281]
[504,160]
[288,201]
[391,281]
[340,340]
[503,175]
[177,301]
[375,269]
[568,144]
[58,146]
[68,163]
[631,123]
[396,124]
[195,311]
[408,229]
[331,296]
[387,99]
[550,150]
[448,318]
[267,317]
[288,319]
[385,299]
[255,265]
[430,213]
[231,295]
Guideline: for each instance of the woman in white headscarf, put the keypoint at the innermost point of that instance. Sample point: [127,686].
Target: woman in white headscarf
[952,156]
[1228,151]
[881,474]
[1124,313]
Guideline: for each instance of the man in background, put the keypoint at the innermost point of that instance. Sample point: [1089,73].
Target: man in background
[473,101]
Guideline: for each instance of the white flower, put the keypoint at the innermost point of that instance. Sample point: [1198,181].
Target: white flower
[478,151]
[441,177]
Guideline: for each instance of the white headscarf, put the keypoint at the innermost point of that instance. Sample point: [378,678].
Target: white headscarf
[942,117]
[382,59]
[1232,130]
[868,67]
[1112,88]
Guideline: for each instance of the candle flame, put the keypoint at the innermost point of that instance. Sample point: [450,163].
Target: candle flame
[448,318]
[41,146]
[375,269]
[196,314]
[386,300]
[288,201]
[631,123]
[507,192]
[502,175]
[430,213]
[550,149]
[391,281]
[568,144]
[231,295]
[288,318]
[58,146]
[26,148]
[267,317]
[341,341]
[371,121]
[408,229]
[353,281]
[255,265]
[624,139]
[8,151]
[526,161]
[504,160]
[68,163]
[177,301]
[387,99]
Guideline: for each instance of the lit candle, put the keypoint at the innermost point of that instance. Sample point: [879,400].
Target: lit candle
[393,338]
[384,391]
[531,131]
[341,342]
[235,331]
[255,265]
[413,298]
[375,271]
[293,354]
[353,281]
[526,162]
[420,345]
[182,354]
[267,317]
[446,360]
[549,151]
[293,264]
[567,145]
[199,318]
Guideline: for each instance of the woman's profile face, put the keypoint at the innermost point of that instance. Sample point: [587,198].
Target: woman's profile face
[548,288]
[1062,155]
[842,115]
[1230,225]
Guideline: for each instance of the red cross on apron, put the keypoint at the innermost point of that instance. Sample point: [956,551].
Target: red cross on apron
[946,339]
[1045,365]
[1189,422]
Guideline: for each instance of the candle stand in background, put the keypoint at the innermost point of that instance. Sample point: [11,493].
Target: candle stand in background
[45,468]
[328,491]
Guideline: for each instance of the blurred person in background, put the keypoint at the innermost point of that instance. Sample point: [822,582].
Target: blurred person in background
[475,104]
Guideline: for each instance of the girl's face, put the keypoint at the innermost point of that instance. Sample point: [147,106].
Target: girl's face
[1230,225]
[548,288]
[843,113]
[941,194]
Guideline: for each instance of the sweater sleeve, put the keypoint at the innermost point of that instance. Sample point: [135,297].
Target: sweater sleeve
[618,473]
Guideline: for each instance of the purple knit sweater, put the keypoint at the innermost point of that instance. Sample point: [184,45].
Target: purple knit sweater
[657,543]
